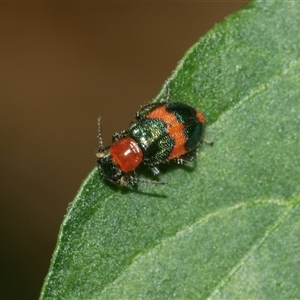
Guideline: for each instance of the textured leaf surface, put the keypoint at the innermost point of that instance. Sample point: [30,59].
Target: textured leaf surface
[227,228]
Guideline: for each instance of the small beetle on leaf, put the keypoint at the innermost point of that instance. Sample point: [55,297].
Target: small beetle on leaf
[164,131]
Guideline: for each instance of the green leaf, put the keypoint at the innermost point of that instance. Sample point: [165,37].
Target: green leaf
[229,227]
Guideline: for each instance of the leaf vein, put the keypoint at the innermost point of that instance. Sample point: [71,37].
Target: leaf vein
[251,251]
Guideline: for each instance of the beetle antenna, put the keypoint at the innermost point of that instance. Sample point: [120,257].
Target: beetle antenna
[99,136]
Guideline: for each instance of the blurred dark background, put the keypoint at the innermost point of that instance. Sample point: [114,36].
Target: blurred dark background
[61,65]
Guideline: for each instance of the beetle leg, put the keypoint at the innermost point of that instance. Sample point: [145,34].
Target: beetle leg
[209,143]
[154,170]
[117,136]
[186,158]
[145,110]
[148,107]
[167,92]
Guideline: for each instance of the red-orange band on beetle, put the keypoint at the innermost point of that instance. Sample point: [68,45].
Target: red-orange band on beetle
[200,117]
[174,129]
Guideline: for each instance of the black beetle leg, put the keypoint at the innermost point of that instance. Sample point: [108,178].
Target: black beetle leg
[186,158]
[145,110]
[132,178]
[155,171]
[117,136]
[149,107]
[167,92]
[209,143]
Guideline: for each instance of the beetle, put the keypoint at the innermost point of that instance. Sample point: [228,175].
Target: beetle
[163,131]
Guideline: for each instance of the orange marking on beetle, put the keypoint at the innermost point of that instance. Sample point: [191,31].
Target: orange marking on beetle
[174,129]
[200,117]
[176,132]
